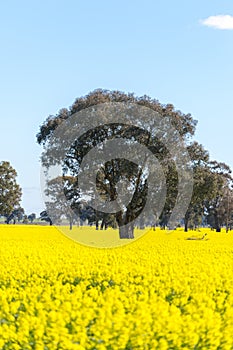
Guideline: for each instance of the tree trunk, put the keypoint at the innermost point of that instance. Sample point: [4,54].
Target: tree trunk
[102,224]
[71,224]
[186,221]
[142,224]
[96,224]
[126,232]
[126,226]
[216,220]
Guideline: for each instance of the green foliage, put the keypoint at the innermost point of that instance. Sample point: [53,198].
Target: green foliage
[212,180]
[10,192]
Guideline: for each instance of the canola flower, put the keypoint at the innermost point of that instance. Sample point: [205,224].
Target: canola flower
[160,292]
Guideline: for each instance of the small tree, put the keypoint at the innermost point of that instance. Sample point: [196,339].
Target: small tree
[16,215]
[218,209]
[31,217]
[44,217]
[10,192]
[58,189]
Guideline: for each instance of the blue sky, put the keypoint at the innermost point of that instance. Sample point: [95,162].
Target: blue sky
[55,51]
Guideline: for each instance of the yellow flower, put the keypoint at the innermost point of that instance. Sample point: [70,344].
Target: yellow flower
[159,292]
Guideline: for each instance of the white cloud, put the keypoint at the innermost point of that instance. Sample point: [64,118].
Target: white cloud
[219,22]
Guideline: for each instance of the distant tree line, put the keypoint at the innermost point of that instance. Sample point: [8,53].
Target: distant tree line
[212,197]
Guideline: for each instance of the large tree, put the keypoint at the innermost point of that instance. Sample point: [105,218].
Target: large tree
[10,191]
[113,170]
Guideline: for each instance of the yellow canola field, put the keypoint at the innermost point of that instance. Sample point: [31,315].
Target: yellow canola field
[160,292]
